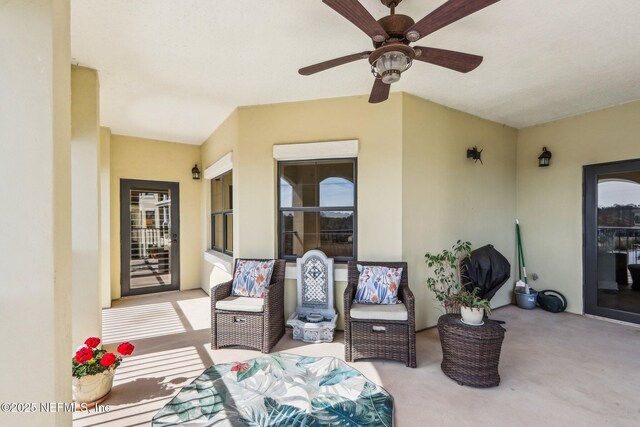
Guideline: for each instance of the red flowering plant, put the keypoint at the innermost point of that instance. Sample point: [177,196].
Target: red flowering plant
[90,359]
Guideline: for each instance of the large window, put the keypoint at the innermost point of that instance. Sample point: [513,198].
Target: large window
[317,208]
[222,213]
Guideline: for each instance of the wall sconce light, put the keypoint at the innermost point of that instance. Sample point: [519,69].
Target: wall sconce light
[195,172]
[474,154]
[545,158]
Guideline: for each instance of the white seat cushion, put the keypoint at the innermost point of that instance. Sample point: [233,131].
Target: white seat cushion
[379,311]
[248,304]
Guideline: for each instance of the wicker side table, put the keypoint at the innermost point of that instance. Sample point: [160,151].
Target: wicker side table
[470,354]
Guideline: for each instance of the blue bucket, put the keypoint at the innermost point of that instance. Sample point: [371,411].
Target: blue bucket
[527,301]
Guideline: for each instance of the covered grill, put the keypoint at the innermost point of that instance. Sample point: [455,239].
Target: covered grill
[487,269]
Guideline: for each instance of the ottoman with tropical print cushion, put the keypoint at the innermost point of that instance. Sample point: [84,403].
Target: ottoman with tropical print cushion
[280,390]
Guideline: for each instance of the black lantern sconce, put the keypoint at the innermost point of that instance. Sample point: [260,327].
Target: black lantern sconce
[195,172]
[474,154]
[545,158]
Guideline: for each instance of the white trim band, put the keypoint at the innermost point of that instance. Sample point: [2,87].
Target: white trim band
[316,150]
[223,165]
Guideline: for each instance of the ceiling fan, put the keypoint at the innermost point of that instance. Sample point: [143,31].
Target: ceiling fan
[391,37]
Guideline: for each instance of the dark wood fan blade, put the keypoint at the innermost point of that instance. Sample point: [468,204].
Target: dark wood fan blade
[355,12]
[446,14]
[316,68]
[380,92]
[458,61]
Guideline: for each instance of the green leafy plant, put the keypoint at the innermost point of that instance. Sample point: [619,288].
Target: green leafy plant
[445,271]
[472,300]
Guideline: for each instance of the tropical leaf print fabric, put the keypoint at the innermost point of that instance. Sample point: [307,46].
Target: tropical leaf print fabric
[252,278]
[280,390]
[378,285]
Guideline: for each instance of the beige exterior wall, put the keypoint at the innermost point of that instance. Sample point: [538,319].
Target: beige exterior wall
[416,189]
[259,128]
[413,152]
[137,158]
[379,131]
[105,217]
[549,199]
[447,197]
[222,141]
[35,219]
[217,267]
[85,205]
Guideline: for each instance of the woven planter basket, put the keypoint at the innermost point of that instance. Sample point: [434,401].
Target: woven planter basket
[451,306]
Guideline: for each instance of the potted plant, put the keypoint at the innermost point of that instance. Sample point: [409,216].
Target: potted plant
[472,307]
[93,368]
[445,281]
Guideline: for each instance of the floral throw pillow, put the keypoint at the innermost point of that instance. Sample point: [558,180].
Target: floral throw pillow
[252,278]
[378,285]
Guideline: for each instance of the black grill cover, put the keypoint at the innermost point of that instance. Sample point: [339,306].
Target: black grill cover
[487,269]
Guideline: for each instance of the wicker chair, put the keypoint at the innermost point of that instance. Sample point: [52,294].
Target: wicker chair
[374,338]
[257,330]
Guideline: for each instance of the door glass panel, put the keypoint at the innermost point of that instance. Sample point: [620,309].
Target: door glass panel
[329,231]
[618,237]
[150,238]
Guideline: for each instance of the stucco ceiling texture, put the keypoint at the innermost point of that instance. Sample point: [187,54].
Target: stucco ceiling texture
[174,70]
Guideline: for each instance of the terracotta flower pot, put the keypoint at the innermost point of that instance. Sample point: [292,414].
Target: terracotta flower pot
[91,388]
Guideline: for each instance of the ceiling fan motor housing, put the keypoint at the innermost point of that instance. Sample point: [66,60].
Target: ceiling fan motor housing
[395,26]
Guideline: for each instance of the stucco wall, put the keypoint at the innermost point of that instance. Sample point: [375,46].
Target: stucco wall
[549,200]
[417,192]
[378,129]
[447,197]
[217,267]
[137,158]
[35,218]
[85,204]
[105,217]
[416,189]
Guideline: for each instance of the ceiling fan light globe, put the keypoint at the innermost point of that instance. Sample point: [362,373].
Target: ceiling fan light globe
[390,77]
[390,66]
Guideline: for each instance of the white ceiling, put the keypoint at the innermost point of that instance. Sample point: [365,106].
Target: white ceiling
[174,70]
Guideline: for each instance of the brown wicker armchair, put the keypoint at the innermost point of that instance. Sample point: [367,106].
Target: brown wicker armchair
[376,337]
[259,327]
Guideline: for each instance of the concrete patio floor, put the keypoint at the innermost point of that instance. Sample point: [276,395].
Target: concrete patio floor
[556,369]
